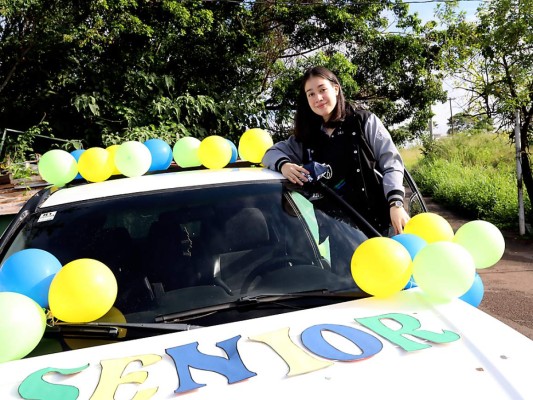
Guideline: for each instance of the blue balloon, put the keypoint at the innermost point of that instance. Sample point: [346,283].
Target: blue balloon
[30,272]
[413,243]
[234,152]
[410,284]
[76,154]
[161,154]
[474,295]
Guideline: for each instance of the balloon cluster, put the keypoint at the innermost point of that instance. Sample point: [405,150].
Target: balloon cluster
[133,158]
[443,264]
[34,286]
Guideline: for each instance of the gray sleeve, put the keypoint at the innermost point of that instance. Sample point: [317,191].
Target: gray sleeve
[282,152]
[387,156]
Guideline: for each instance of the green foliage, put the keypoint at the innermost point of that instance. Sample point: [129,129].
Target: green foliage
[474,174]
[113,70]
[463,121]
[492,60]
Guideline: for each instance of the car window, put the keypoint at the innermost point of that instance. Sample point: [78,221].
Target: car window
[185,249]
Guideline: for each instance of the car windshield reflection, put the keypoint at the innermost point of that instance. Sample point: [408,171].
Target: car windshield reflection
[183,250]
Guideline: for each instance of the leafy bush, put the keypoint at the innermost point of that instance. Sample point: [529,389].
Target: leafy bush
[473,174]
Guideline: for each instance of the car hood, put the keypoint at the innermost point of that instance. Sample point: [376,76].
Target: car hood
[397,347]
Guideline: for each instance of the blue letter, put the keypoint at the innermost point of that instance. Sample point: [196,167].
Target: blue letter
[314,341]
[188,356]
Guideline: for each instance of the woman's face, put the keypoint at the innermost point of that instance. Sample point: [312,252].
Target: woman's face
[321,95]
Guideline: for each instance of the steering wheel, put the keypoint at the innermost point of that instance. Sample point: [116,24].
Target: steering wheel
[270,265]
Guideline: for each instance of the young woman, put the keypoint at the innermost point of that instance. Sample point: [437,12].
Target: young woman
[354,143]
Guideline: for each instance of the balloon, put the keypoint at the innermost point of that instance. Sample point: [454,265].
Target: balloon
[253,144]
[76,154]
[161,154]
[96,164]
[214,152]
[21,327]
[83,291]
[411,284]
[444,270]
[474,295]
[57,167]
[113,150]
[30,272]
[429,226]
[133,158]
[381,266]
[113,315]
[185,152]
[234,152]
[412,243]
[483,240]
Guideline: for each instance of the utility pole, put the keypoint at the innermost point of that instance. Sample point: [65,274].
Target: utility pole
[518,145]
[451,114]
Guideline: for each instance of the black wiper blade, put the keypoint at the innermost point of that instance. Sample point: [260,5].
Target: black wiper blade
[267,297]
[147,325]
[116,330]
[257,299]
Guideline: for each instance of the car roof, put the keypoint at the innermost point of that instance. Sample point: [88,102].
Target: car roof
[157,182]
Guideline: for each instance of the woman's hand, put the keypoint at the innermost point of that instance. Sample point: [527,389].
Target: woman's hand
[294,173]
[399,218]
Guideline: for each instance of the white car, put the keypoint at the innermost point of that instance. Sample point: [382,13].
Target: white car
[236,284]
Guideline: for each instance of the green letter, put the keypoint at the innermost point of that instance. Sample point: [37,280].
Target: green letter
[409,326]
[36,388]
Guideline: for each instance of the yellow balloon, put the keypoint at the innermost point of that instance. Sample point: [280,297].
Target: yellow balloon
[214,152]
[253,144]
[381,266]
[113,315]
[82,291]
[96,164]
[430,226]
[112,150]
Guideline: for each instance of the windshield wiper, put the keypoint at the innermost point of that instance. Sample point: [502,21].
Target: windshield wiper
[261,298]
[268,297]
[116,330]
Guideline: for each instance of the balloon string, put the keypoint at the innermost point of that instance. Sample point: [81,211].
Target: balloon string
[51,321]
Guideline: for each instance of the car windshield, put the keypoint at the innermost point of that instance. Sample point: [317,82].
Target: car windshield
[182,250]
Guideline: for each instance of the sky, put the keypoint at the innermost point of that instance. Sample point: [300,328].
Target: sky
[442,111]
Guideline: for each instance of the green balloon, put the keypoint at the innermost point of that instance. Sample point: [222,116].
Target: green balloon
[483,240]
[444,270]
[58,167]
[21,327]
[133,158]
[185,152]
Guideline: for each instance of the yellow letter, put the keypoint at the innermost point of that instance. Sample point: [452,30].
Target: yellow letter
[298,360]
[111,377]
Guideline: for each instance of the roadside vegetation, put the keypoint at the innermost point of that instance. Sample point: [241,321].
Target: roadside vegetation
[473,173]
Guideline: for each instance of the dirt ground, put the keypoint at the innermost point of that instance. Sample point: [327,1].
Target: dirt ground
[508,285]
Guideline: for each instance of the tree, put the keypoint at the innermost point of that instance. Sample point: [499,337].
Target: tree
[494,59]
[465,121]
[103,71]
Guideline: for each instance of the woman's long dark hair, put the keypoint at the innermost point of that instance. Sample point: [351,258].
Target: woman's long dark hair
[306,122]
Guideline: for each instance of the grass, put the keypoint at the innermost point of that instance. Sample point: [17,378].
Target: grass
[473,174]
[411,156]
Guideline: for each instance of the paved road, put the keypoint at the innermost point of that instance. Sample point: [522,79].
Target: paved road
[508,286]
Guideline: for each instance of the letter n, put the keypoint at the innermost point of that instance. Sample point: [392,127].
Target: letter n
[188,356]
